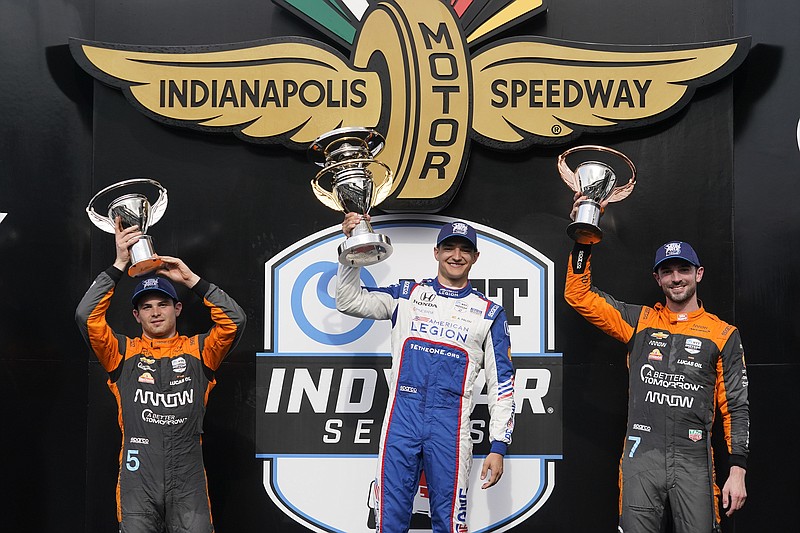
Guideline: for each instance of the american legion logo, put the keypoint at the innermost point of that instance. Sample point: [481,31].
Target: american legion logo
[427,74]
[323,380]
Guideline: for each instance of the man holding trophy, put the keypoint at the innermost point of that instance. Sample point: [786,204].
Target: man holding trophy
[684,363]
[161,381]
[443,333]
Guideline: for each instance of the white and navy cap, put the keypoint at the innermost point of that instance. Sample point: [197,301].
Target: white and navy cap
[676,250]
[154,284]
[458,229]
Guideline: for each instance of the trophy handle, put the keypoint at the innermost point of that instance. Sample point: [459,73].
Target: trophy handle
[157,208]
[567,175]
[383,190]
[104,223]
[622,192]
[619,193]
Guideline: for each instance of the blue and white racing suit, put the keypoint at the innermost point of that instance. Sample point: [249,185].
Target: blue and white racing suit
[441,339]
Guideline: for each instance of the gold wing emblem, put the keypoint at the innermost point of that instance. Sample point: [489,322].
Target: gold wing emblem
[271,93]
[537,91]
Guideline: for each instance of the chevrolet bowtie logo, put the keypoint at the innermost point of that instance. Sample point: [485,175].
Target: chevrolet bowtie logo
[411,76]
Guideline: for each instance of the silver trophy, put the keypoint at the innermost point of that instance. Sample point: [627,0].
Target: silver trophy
[595,180]
[345,155]
[133,209]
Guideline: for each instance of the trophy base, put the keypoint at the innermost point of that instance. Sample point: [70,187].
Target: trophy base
[365,249]
[142,260]
[144,267]
[584,233]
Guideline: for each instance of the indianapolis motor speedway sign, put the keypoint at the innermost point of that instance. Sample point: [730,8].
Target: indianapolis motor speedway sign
[412,74]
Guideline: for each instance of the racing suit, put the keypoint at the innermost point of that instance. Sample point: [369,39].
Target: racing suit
[682,368]
[161,387]
[441,338]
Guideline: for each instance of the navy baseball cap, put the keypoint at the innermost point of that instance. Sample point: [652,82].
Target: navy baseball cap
[676,250]
[156,284]
[458,229]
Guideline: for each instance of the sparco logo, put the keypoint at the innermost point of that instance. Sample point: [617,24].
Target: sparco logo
[579,261]
[412,75]
[324,378]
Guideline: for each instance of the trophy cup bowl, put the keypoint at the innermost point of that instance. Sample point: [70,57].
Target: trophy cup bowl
[345,155]
[133,209]
[597,181]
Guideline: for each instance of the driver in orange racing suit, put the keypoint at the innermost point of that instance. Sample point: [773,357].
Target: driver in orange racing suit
[161,381]
[684,364]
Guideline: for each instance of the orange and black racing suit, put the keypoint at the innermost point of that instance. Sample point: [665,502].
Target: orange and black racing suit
[682,368]
[161,387]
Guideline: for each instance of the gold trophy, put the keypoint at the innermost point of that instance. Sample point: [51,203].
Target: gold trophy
[133,209]
[345,155]
[595,180]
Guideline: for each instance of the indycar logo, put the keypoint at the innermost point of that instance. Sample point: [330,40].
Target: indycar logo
[179,365]
[693,346]
[411,74]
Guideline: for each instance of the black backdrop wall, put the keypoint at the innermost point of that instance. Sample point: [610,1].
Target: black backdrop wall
[717,174]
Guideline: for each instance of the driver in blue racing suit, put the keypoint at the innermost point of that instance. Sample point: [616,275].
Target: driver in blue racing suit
[443,333]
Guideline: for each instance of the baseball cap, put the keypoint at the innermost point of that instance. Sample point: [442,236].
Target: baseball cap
[676,250]
[458,229]
[155,284]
